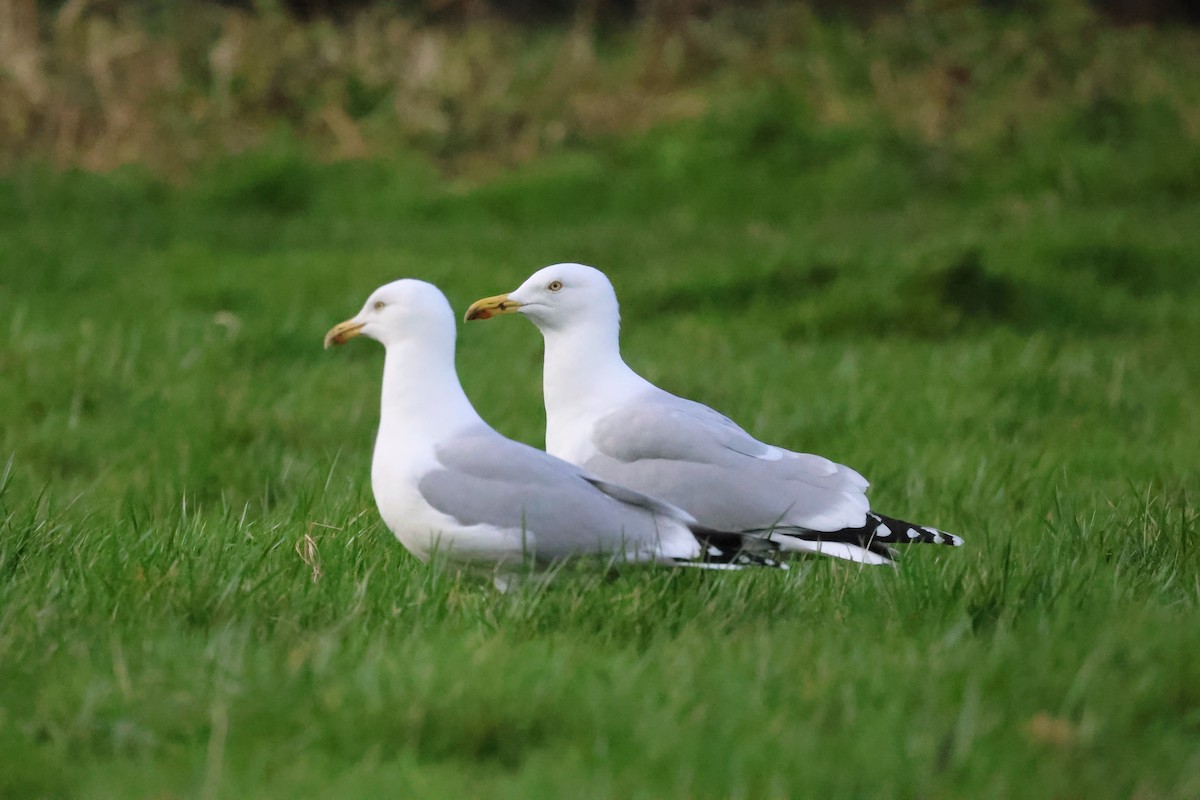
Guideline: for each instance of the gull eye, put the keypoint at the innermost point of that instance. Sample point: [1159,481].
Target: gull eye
[554,286]
[379,304]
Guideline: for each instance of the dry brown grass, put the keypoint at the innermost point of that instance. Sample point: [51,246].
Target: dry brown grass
[98,87]
[97,90]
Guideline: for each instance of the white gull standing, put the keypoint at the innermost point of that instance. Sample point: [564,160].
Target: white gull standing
[604,417]
[444,480]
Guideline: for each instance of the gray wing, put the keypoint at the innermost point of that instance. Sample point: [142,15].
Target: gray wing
[487,479]
[700,460]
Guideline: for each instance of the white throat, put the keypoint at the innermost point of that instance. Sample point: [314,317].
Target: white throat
[584,378]
[422,404]
[422,401]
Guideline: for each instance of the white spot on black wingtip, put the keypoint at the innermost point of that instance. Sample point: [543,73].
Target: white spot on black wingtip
[715,551]
[912,534]
[882,531]
[955,541]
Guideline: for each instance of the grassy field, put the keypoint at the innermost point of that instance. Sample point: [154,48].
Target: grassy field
[197,598]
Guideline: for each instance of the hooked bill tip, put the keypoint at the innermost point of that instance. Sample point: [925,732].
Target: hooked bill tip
[342,332]
[488,307]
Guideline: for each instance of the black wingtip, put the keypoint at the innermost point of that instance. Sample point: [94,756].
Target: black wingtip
[896,531]
[738,549]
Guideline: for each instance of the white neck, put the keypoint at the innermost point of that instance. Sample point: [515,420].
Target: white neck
[583,379]
[422,400]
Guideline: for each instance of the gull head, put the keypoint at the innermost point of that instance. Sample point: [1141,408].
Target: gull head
[400,311]
[555,298]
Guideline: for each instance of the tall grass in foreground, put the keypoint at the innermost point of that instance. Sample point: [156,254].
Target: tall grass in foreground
[203,652]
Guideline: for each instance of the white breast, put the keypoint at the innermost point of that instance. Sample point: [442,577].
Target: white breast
[570,439]
[424,530]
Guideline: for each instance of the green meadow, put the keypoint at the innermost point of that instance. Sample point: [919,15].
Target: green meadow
[198,599]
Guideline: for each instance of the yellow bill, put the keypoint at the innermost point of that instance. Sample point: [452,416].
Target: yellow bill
[342,332]
[489,307]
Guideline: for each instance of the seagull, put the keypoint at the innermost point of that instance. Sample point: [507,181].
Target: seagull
[604,417]
[445,481]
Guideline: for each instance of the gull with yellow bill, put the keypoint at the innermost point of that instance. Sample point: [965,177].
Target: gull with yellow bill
[604,417]
[445,481]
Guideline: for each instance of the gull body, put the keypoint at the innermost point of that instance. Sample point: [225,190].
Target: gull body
[603,416]
[444,480]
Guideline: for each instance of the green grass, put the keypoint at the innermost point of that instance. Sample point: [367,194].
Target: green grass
[1001,342]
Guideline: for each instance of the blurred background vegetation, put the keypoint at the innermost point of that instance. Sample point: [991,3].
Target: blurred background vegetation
[863,172]
[101,84]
